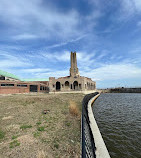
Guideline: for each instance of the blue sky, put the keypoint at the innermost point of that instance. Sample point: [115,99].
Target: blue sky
[37,36]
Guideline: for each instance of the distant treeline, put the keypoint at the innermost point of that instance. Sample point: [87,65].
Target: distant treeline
[123,90]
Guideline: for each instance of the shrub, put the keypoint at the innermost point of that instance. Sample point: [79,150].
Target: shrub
[14,137]
[41,128]
[38,123]
[2,134]
[67,123]
[56,145]
[25,126]
[73,109]
[14,144]
[36,134]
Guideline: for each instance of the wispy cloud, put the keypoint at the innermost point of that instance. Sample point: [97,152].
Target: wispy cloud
[10,61]
[32,20]
[129,8]
[65,43]
[114,72]
[24,36]
[52,73]
[57,56]
[139,23]
[35,70]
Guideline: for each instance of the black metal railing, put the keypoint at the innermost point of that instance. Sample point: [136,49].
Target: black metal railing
[87,140]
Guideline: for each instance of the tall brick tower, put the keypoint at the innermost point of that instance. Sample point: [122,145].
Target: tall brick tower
[74,72]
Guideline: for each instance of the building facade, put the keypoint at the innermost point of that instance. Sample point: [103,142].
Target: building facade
[10,84]
[73,82]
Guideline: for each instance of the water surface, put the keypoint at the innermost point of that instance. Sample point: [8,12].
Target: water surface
[119,119]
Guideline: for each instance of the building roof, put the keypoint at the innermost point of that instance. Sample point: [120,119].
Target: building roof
[6,74]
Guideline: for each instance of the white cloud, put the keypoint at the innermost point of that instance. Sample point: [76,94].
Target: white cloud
[9,61]
[102,54]
[7,47]
[35,70]
[52,73]
[31,17]
[105,72]
[84,59]
[34,19]
[114,72]
[129,8]
[137,4]
[25,36]
[139,23]
[57,56]
[65,43]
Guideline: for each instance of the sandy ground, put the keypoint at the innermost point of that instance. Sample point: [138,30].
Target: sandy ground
[25,132]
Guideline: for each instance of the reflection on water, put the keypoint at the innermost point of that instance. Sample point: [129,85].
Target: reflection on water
[119,119]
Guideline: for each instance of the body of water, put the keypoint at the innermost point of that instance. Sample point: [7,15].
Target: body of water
[118,116]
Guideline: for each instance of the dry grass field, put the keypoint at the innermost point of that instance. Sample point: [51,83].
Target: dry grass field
[25,132]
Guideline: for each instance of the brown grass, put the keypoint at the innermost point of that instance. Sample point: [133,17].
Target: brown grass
[73,108]
[41,154]
[61,135]
[7,118]
[26,139]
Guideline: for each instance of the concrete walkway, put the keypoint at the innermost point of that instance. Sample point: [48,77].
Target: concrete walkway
[84,92]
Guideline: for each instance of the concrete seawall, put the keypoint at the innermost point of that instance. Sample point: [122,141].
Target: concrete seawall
[84,92]
[101,150]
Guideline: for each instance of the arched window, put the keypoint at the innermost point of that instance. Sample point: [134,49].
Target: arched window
[75,85]
[58,85]
[66,84]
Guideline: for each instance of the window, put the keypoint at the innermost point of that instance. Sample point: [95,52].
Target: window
[7,85]
[21,85]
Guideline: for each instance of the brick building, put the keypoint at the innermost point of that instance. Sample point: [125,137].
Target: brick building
[10,84]
[72,82]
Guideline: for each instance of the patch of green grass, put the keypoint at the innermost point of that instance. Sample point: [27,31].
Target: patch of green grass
[42,128]
[14,144]
[56,145]
[68,124]
[2,134]
[33,102]
[36,134]
[24,104]
[44,140]
[25,126]
[38,123]
[14,137]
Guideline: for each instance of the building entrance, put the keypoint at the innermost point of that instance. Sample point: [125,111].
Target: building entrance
[33,88]
[58,86]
